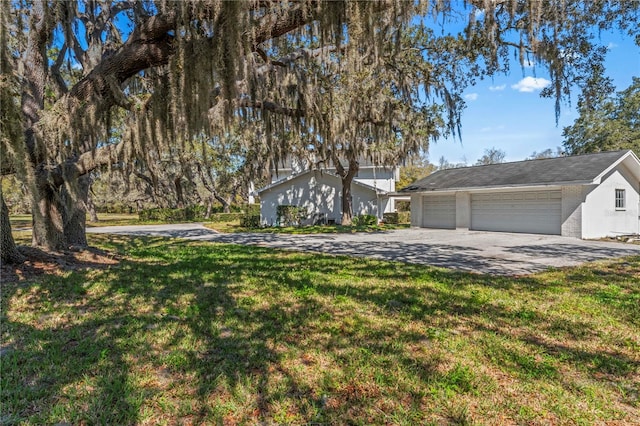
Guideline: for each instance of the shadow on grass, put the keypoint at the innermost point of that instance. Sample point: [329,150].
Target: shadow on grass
[48,355]
[241,326]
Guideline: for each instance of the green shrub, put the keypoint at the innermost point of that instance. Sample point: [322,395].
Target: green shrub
[195,213]
[250,220]
[115,207]
[404,217]
[403,205]
[192,213]
[290,215]
[391,218]
[252,209]
[365,220]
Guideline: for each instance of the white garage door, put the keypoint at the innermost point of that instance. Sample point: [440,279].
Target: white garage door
[439,211]
[536,212]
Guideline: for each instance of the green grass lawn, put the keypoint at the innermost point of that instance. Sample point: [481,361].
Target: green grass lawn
[200,333]
[20,221]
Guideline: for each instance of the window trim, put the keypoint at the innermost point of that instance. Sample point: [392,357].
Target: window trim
[620,199]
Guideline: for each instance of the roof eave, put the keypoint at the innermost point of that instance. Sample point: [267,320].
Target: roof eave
[623,157]
[519,186]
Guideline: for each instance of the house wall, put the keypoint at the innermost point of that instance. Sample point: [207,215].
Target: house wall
[378,177]
[311,190]
[572,203]
[416,210]
[599,215]
[365,201]
[463,209]
[319,193]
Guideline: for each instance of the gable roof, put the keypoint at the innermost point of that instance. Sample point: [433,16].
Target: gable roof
[579,169]
[323,173]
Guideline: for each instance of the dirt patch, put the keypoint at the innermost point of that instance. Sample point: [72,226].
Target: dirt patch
[39,262]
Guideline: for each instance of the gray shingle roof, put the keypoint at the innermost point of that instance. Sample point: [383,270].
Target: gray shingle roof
[579,168]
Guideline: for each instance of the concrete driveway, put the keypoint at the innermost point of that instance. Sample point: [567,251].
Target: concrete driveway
[475,251]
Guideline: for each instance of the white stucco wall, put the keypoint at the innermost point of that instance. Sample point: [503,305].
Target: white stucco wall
[320,193]
[378,177]
[310,190]
[364,201]
[572,202]
[599,215]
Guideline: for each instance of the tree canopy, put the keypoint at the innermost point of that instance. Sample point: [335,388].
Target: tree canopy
[102,83]
[491,156]
[607,122]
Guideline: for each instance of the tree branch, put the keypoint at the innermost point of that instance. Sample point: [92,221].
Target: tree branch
[274,24]
[297,55]
[83,164]
[59,82]
[271,107]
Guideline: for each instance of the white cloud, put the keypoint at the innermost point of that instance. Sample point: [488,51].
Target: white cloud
[497,88]
[471,96]
[611,45]
[531,84]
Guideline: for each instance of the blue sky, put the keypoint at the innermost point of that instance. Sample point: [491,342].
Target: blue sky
[508,113]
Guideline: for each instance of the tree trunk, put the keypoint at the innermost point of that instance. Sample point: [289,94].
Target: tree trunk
[346,177]
[225,204]
[8,251]
[91,207]
[48,228]
[207,215]
[75,196]
[179,193]
[347,204]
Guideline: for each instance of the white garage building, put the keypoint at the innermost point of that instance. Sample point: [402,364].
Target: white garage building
[585,196]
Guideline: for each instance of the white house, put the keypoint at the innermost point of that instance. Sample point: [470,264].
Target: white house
[584,196]
[320,192]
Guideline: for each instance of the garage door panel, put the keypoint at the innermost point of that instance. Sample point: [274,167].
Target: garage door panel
[439,211]
[531,211]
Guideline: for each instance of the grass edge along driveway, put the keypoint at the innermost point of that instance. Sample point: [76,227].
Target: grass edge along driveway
[193,332]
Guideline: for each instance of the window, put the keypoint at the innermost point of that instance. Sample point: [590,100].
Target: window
[620,199]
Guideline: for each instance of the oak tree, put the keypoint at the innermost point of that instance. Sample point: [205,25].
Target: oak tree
[607,122]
